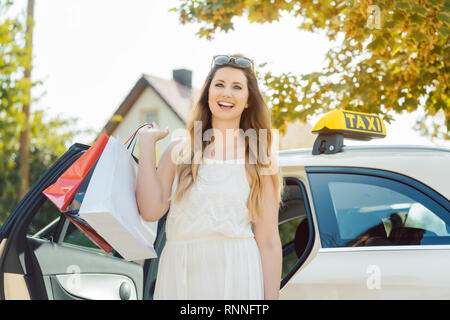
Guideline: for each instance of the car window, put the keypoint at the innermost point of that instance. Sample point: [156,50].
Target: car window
[73,236]
[287,232]
[44,221]
[358,210]
[293,226]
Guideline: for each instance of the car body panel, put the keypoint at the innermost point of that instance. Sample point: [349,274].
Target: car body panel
[407,160]
[374,273]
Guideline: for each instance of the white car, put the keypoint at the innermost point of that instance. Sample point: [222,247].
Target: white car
[368,222]
[365,222]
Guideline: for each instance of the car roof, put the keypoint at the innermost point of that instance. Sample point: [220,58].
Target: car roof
[430,165]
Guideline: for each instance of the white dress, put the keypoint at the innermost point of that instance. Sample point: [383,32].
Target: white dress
[211,252]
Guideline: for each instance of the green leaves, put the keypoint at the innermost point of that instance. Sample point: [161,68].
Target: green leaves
[418,36]
[49,139]
[402,5]
[419,9]
[416,19]
[444,18]
[377,44]
[388,47]
[445,32]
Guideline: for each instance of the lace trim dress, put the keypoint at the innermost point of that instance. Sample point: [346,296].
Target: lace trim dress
[211,252]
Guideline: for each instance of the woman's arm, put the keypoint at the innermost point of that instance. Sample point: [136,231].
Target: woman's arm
[153,185]
[268,240]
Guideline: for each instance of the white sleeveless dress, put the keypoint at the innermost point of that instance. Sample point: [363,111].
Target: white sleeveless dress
[211,252]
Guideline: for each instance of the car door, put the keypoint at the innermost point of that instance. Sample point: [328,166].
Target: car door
[383,236]
[295,226]
[44,256]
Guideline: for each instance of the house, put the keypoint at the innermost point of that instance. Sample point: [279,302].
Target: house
[168,102]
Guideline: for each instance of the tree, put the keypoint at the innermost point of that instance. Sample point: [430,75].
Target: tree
[24,151]
[49,139]
[393,57]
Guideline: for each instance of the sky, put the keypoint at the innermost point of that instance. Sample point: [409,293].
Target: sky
[89,54]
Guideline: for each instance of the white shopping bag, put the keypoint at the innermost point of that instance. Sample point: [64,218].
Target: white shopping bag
[110,208]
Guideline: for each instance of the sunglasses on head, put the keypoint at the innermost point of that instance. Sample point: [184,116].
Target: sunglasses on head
[240,62]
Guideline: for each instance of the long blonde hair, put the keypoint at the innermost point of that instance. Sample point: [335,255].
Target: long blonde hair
[257,117]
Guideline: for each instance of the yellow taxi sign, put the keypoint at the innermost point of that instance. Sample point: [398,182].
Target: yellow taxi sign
[351,124]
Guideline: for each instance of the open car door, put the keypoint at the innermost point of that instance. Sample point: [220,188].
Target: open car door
[43,255]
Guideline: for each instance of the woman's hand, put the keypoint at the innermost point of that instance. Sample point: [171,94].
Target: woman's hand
[151,135]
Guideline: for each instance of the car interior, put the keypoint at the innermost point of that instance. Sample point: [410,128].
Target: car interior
[392,230]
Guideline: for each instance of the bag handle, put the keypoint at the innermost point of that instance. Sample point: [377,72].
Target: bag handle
[134,135]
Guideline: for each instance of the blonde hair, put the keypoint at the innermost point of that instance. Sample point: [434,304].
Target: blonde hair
[257,117]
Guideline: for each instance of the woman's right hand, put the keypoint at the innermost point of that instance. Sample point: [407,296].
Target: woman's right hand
[149,135]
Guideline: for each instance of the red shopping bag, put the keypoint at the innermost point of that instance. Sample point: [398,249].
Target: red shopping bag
[89,232]
[63,190]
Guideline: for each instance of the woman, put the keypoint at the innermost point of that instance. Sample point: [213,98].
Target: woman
[216,200]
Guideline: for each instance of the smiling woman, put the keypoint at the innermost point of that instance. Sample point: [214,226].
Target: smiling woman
[228,91]
[222,224]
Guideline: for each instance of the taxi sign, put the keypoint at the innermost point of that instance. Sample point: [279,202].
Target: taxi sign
[339,124]
[353,125]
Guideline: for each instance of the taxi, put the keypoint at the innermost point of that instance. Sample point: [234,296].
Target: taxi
[356,222]
[364,222]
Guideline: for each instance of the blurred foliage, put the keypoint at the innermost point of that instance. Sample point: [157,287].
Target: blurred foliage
[287,234]
[394,55]
[49,138]
[46,215]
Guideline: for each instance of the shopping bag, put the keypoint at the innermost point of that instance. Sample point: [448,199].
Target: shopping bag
[63,190]
[88,230]
[72,214]
[110,208]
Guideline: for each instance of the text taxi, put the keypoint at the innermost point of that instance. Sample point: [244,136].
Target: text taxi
[368,222]
[364,222]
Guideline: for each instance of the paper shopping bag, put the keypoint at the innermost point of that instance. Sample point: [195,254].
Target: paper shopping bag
[63,190]
[110,208]
[88,231]
[72,214]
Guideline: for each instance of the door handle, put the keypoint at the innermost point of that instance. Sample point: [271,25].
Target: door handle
[99,286]
[125,291]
